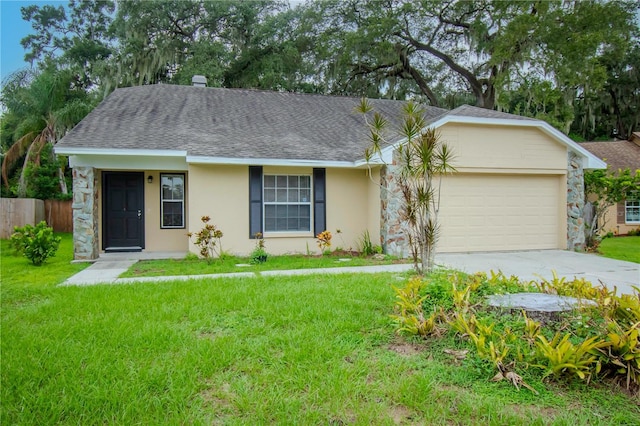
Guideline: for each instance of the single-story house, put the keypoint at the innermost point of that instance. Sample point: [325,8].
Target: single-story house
[620,155]
[150,161]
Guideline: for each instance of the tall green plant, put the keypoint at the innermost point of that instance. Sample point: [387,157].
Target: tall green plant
[605,188]
[422,159]
[44,105]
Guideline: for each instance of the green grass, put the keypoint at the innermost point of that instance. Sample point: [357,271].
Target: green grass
[22,281]
[265,350]
[621,248]
[191,266]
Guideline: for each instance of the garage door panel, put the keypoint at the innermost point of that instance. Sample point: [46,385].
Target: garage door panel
[499,212]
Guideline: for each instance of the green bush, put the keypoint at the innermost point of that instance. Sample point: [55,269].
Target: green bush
[36,243]
[634,233]
[259,253]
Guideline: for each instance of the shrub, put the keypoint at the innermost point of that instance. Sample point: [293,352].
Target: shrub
[36,243]
[634,232]
[366,246]
[208,239]
[259,254]
[324,241]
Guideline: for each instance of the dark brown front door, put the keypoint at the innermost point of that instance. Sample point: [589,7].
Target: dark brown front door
[123,211]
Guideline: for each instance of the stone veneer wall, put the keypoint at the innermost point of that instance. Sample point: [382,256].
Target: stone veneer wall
[392,235]
[575,203]
[85,214]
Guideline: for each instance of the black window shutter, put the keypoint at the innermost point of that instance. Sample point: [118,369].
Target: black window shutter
[255,200]
[319,201]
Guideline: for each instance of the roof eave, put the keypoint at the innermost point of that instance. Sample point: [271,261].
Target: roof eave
[64,150]
[196,159]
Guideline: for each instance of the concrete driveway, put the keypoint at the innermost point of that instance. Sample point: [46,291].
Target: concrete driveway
[530,265]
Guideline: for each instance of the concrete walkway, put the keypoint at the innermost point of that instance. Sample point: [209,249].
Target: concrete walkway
[527,265]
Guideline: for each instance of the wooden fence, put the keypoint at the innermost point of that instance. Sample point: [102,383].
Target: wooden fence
[22,211]
[58,215]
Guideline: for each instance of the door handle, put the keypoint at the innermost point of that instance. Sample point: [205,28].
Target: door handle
[139,214]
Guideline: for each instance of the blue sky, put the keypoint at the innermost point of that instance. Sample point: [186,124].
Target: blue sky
[12,30]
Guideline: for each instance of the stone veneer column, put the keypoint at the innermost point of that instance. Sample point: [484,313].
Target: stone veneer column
[575,203]
[85,214]
[393,238]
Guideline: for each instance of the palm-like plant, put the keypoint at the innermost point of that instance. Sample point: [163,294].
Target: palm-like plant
[422,159]
[44,105]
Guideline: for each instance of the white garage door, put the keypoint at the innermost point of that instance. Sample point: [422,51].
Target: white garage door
[501,212]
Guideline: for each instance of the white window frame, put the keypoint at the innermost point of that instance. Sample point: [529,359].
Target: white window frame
[163,200]
[627,207]
[288,203]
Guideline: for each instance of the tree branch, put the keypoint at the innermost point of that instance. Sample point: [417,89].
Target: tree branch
[476,86]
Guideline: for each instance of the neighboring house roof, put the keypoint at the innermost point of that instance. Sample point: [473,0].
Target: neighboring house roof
[241,126]
[617,154]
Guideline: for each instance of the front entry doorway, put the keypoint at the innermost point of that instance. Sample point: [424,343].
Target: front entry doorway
[123,211]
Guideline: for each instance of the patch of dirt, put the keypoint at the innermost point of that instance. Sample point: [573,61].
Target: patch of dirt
[347,419]
[405,348]
[400,414]
[531,411]
[218,397]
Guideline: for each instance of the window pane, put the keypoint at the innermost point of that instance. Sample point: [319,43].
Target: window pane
[305,213]
[269,224]
[166,187]
[282,193]
[269,195]
[270,212]
[172,214]
[178,188]
[632,211]
[172,200]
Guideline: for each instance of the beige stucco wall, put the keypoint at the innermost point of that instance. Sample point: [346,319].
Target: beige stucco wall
[353,206]
[502,149]
[222,192]
[611,223]
[156,239]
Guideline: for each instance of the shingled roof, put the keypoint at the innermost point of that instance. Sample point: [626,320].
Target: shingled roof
[229,123]
[617,154]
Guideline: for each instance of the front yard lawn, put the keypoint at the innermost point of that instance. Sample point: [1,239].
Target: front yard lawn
[621,248]
[264,350]
[195,266]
